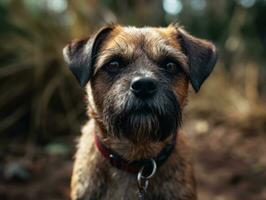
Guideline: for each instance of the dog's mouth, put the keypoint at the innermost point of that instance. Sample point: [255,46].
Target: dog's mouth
[138,120]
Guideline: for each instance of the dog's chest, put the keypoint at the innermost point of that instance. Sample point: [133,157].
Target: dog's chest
[94,178]
[123,186]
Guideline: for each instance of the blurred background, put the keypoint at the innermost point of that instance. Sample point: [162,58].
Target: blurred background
[42,106]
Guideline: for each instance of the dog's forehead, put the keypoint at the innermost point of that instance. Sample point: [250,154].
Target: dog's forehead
[132,42]
[146,32]
[133,37]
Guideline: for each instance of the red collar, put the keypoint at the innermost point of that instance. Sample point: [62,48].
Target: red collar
[134,167]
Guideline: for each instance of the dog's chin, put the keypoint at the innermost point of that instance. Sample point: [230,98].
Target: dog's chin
[147,126]
[142,121]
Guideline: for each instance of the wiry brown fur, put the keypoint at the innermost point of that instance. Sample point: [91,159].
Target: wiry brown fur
[93,176]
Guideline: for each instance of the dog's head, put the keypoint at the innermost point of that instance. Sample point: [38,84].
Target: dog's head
[137,78]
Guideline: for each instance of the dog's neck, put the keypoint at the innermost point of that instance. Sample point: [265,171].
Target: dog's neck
[129,150]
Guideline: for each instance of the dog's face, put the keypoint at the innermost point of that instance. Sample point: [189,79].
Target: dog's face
[138,77]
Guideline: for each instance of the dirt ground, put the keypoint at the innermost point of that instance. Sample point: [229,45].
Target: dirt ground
[230,164]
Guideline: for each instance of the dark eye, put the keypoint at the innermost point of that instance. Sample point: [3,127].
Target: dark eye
[113,66]
[171,66]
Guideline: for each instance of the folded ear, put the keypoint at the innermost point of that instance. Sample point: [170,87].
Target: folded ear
[202,57]
[80,55]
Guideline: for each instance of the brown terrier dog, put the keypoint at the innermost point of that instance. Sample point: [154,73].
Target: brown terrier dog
[137,84]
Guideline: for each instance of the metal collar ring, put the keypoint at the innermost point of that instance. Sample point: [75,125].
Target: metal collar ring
[154,168]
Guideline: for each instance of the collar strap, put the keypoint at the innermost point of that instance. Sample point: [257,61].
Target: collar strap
[135,166]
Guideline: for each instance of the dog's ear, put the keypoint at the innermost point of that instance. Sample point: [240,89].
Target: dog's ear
[201,55]
[80,55]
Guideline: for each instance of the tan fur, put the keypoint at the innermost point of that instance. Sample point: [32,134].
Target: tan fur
[127,42]
[93,175]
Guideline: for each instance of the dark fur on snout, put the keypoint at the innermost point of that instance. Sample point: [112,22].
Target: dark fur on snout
[141,120]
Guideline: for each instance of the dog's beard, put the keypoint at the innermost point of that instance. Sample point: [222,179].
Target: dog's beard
[142,120]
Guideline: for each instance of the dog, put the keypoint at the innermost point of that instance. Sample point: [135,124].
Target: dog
[137,81]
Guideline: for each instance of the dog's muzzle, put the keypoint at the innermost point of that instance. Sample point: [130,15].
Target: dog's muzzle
[146,111]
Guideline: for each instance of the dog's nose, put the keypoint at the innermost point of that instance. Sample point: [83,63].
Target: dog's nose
[143,87]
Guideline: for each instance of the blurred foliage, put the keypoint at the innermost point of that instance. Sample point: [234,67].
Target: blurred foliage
[39,97]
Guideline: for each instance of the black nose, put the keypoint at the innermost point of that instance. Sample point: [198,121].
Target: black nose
[143,87]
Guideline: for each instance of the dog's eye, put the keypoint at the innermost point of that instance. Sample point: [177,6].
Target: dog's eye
[113,66]
[171,66]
